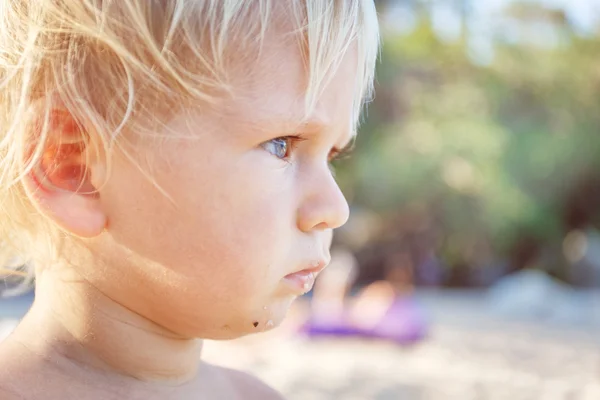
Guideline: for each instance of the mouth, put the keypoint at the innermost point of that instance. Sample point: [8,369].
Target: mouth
[302,281]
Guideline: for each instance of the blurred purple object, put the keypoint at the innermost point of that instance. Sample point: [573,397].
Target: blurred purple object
[404,323]
[335,326]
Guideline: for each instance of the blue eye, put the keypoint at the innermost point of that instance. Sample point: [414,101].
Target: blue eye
[279,147]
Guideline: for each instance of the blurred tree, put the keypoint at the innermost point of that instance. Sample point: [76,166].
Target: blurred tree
[491,156]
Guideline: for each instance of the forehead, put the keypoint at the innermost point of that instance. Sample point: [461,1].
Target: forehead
[271,90]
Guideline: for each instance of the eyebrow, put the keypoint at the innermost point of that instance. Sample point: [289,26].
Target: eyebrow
[290,126]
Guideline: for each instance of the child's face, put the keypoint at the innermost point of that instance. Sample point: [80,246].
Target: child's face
[213,262]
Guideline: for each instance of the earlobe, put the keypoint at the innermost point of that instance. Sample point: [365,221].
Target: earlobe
[78,214]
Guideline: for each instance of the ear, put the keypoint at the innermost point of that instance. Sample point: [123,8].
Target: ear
[60,181]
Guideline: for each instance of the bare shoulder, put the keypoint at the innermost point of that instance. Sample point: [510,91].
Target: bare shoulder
[248,386]
[8,381]
[8,377]
[6,394]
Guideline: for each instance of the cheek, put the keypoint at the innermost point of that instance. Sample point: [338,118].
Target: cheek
[223,244]
[233,224]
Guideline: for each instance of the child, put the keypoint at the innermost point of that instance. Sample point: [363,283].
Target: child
[164,165]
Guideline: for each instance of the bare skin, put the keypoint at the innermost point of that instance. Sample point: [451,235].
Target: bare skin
[121,318]
[46,358]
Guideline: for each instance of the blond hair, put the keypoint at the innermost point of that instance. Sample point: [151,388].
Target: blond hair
[109,63]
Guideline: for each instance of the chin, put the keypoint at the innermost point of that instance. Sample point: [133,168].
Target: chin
[229,333]
[263,319]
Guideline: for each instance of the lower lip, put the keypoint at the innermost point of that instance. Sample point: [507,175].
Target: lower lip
[301,282]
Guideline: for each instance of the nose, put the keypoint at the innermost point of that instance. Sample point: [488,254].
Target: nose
[323,205]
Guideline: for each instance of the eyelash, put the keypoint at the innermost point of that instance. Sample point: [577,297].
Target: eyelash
[334,155]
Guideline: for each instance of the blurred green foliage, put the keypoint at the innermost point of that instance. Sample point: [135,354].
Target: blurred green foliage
[487,154]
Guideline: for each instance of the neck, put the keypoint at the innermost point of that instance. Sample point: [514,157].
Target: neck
[72,320]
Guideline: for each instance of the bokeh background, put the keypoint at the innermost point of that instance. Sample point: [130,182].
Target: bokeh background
[473,250]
